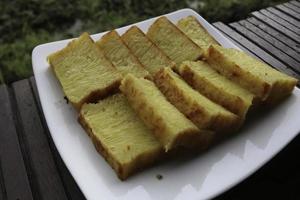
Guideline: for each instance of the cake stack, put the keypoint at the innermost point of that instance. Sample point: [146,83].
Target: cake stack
[141,96]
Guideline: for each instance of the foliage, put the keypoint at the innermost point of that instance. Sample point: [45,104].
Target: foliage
[27,23]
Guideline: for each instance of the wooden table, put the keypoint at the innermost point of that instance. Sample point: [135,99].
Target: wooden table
[31,168]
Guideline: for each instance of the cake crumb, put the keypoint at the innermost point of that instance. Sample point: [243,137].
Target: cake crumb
[159,177]
[67,100]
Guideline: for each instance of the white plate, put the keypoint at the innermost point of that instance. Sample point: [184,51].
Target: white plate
[203,177]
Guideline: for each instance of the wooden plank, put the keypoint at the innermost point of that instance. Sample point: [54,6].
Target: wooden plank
[70,185]
[292,7]
[284,16]
[14,175]
[296,3]
[266,57]
[234,42]
[276,34]
[1,77]
[281,21]
[2,188]
[46,180]
[267,46]
[289,11]
[277,26]
[276,43]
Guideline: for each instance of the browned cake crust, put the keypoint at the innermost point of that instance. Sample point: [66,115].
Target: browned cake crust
[268,84]
[92,94]
[216,87]
[97,95]
[169,125]
[199,109]
[122,171]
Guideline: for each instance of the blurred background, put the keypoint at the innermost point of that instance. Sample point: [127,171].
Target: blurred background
[27,23]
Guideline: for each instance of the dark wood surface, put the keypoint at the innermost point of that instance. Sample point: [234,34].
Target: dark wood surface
[31,167]
[289,11]
[14,178]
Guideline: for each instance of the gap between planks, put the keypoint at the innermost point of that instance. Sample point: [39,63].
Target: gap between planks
[266,57]
[266,46]
[276,34]
[269,38]
[71,188]
[17,181]
[276,26]
[44,176]
[2,186]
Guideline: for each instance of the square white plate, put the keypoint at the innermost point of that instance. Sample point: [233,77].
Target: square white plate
[202,177]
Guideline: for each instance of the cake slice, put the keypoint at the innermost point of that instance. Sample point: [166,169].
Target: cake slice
[203,78]
[146,51]
[119,135]
[196,32]
[83,71]
[119,54]
[173,42]
[265,82]
[169,125]
[199,109]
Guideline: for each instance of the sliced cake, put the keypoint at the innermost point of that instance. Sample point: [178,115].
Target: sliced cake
[265,82]
[199,109]
[203,78]
[146,51]
[119,135]
[169,125]
[196,32]
[173,41]
[83,71]
[119,54]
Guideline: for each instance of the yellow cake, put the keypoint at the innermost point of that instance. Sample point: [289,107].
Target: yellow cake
[196,32]
[119,54]
[265,82]
[199,109]
[119,135]
[169,125]
[83,71]
[152,58]
[173,42]
[203,78]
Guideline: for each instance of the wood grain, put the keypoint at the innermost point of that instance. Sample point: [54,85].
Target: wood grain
[16,184]
[46,181]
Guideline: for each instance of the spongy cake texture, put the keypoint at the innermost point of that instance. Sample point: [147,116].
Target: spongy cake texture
[146,51]
[119,135]
[173,42]
[265,82]
[119,54]
[83,71]
[203,78]
[169,125]
[194,30]
[199,109]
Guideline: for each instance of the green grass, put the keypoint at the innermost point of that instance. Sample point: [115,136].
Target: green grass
[27,23]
